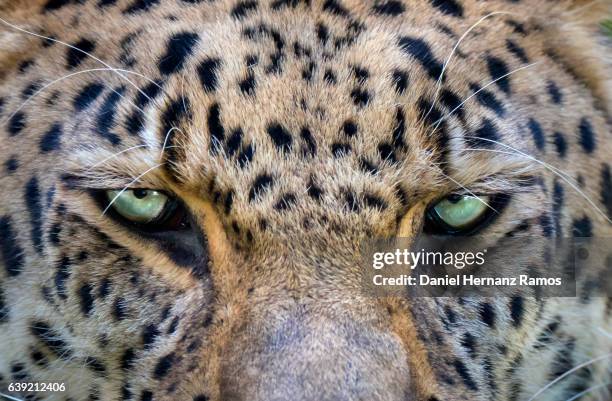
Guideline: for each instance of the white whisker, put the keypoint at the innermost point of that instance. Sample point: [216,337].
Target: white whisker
[561,174]
[444,117]
[454,50]
[588,390]
[8,397]
[77,49]
[164,147]
[129,185]
[469,192]
[115,155]
[569,372]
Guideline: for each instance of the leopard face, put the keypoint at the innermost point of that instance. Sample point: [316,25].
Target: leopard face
[280,135]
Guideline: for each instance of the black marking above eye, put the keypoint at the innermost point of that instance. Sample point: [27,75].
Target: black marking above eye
[587,135]
[32,198]
[243,8]
[51,140]
[16,123]
[449,7]
[106,116]
[207,71]
[400,79]
[178,48]
[280,136]
[87,96]
[12,253]
[140,5]
[498,69]
[484,135]
[335,7]
[421,51]
[488,100]
[389,7]
[77,53]
[538,134]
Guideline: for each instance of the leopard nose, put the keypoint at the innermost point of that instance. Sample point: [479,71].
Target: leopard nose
[309,358]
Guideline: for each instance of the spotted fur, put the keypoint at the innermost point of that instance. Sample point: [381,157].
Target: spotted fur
[293,130]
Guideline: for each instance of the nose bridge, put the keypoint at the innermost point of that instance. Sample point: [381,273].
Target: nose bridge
[310,352]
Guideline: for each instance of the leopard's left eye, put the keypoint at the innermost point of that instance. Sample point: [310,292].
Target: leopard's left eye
[142,206]
[457,214]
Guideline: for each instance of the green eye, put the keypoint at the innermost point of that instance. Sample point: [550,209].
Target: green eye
[138,205]
[459,213]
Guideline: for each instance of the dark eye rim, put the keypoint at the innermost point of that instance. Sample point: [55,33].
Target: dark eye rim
[434,225]
[174,217]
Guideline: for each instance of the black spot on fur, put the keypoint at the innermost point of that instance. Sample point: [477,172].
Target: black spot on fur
[351,201]
[329,77]
[16,123]
[555,92]
[86,299]
[399,129]
[285,202]
[400,79]
[546,224]
[106,116]
[149,335]
[119,310]
[484,135]
[179,47]
[420,50]
[374,201]
[488,100]
[77,53]
[360,96]
[262,183]
[32,198]
[367,166]
[50,338]
[517,50]
[246,156]
[87,96]
[537,133]
[140,5]
[30,90]
[146,395]
[335,7]
[606,189]
[95,365]
[463,372]
[314,191]
[487,314]
[207,71]
[497,69]
[215,128]
[449,7]
[469,343]
[582,227]
[587,136]
[560,144]
[127,359]
[280,136]
[558,195]
[234,141]
[389,7]
[517,310]
[11,165]
[104,287]
[53,5]
[340,149]
[61,276]
[51,139]
[349,128]
[163,366]
[241,9]
[310,146]
[451,101]
[4,310]
[247,85]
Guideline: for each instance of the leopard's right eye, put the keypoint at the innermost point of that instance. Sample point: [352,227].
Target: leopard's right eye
[138,205]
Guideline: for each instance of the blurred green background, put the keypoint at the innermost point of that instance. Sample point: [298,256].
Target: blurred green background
[607,26]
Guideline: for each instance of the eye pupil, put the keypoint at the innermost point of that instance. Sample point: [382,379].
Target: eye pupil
[140,193]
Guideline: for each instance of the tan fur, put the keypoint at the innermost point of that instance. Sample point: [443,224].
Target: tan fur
[280,312]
